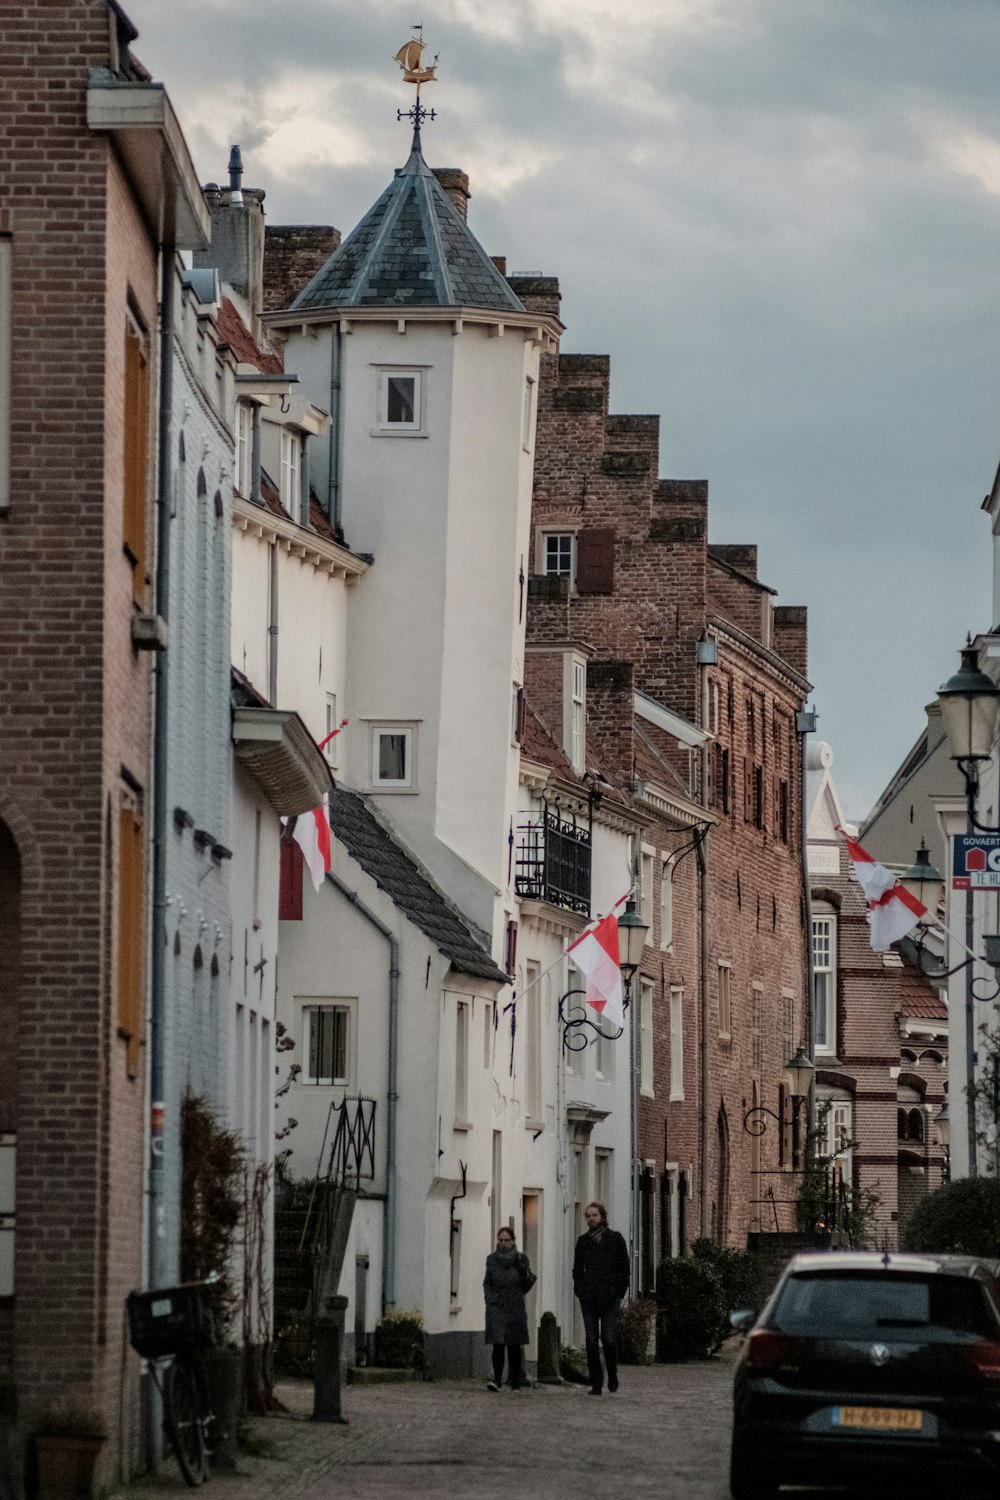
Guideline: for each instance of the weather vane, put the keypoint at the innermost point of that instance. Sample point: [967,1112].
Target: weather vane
[411,59]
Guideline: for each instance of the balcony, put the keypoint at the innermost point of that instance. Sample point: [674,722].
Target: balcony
[553,861]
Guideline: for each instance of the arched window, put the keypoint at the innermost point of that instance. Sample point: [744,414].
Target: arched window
[824,956]
[915,1131]
[901,1124]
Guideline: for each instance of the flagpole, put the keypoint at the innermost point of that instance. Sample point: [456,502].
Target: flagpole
[520,994]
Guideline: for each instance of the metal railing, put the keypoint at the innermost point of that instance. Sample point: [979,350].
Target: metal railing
[553,861]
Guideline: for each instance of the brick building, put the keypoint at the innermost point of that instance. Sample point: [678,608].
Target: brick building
[95,181]
[881,1035]
[693,682]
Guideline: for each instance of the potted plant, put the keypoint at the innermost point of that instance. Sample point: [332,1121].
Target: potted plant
[68,1440]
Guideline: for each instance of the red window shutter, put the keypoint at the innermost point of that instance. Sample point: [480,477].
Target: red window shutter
[511,954]
[595,561]
[290,882]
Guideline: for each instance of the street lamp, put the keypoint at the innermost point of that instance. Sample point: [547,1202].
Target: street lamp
[632,931]
[800,1072]
[970,708]
[923,880]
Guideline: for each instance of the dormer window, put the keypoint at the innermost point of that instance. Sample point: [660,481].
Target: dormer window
[400,402]
[290,488]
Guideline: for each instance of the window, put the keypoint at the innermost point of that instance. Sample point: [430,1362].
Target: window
[835,1124]
[290,487]
[676,1042]
[713,708]
[604,1063]
[824,957]
[131,925]
[5,342]
[332,729]
[532,1045]
[575,711]
[725,1000]
[244,448]
[604,1182]
[667,904]
[757,1027]
[646,891]
[325,1038]
[559,547]
[136,454]
[400,401]
[496,1185]
[392,756]
[646,1037]
[517,713]
[529,412]
[788,1026]
[462,1065]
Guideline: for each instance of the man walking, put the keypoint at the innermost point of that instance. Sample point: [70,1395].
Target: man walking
[600,1280]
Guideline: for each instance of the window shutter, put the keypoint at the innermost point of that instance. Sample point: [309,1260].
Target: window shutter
[595,561]
[521,709]
[136,449]
[130,934]
[290,882]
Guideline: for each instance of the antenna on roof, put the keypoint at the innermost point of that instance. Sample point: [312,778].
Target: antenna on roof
[235,178]
[411,59]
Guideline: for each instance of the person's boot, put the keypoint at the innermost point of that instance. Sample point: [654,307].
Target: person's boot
[594,1369]
[611,1360]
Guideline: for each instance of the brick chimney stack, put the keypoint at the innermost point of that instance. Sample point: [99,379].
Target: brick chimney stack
[456,184]
[237,248]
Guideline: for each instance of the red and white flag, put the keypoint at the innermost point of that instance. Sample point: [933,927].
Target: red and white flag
[312,834]
[892,910]
[595,953]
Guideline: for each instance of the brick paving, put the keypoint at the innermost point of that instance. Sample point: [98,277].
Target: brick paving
[665,1433]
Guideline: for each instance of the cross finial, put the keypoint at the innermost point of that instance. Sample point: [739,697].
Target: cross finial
[411,59]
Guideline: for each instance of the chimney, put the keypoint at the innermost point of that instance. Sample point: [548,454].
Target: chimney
[791,636]
[237,248]
[293,253]
[456,184]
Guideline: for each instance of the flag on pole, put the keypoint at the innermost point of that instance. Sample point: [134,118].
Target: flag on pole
[311,831]
[595,953]
[892,910]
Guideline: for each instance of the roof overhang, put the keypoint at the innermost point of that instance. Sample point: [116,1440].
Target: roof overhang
[541,328]
[281,755]
[671,723]
[140,119]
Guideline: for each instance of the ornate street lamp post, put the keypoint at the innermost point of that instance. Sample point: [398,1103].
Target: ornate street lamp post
[800,1072]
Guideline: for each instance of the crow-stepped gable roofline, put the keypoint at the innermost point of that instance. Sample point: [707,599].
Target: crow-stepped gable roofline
[412,250]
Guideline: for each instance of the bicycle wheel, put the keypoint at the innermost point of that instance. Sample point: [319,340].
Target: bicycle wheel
[184,1414]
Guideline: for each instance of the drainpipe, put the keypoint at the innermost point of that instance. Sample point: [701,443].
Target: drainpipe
[272,628]
[333,495]
[160,1272]
[389,1221]
[805,723]
[706,658]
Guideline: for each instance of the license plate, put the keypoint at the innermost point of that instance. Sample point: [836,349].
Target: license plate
[878,1418]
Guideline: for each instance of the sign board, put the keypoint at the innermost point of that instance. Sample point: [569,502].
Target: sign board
[977,862]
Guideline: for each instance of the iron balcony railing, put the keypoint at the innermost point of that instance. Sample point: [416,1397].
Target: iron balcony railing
[553,861]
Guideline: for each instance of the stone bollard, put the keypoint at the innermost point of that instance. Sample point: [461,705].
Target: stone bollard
[548,1351]
[329,1341]
[224,1368]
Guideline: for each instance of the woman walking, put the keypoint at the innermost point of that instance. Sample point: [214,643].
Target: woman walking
[508,1278]
[600,1279]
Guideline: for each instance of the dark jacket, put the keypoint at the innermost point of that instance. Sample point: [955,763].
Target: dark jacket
[601,1271]
[504,1286]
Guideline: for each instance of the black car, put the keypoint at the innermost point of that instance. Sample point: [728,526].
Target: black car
[864,1368]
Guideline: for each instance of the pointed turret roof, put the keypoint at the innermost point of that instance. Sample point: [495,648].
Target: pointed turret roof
[411,249]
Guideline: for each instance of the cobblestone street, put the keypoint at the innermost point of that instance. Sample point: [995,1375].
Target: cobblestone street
[665,1433]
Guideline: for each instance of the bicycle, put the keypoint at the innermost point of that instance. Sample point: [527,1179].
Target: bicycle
[177,1323]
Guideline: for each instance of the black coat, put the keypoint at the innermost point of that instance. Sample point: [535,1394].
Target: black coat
[601,1270]
[504,1287]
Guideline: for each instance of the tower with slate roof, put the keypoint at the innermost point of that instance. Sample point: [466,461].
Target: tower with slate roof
[429,362]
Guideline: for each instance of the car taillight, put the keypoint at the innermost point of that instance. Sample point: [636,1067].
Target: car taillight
[766,1350]
[987,1357]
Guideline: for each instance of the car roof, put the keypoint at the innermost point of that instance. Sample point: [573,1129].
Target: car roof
[831,1261]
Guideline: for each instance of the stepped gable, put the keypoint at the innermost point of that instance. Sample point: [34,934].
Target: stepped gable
[412,249]
[396,872]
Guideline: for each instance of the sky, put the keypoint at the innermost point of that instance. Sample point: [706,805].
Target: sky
[779,217]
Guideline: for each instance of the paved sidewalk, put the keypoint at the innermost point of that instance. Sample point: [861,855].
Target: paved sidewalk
[666,1433]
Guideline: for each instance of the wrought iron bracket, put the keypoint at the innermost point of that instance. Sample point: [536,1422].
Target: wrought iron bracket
[755,1120]
[574,1020]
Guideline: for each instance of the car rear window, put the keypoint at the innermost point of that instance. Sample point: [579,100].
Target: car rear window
[861,1304]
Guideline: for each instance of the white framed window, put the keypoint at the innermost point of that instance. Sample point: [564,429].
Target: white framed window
[400,401]
[676,1042]
[462,1065]
[757,1026]
[558,549]
[332,724]
[244,448]
[392,761]
[575,710]
[326,1044]
[528,422]
[646,1037]
[725,999]
[646,889]
[667,904]
[290,484]
[604,1064]
[824,957]
[836,1117]
[713,708]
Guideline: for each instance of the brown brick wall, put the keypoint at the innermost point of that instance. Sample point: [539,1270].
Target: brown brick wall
[293,253]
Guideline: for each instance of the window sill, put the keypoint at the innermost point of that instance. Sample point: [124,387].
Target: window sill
[647,1093]
[389,433]
[462,1125]
[390,791]
[534,1125]
[676,1099]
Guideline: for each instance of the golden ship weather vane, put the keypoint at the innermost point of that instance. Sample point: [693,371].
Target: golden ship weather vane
[411,59]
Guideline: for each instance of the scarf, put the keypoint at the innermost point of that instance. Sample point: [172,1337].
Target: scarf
[597,1233]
